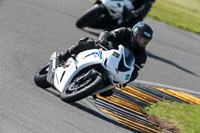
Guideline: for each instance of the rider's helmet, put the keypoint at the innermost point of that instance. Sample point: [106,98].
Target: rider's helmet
[142,34]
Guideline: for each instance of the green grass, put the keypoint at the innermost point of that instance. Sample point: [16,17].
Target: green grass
[184,14]
[184,116]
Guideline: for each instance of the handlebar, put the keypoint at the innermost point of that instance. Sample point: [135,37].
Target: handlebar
[104,48]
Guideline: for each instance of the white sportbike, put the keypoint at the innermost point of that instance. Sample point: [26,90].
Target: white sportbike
[104,14]
[89,73]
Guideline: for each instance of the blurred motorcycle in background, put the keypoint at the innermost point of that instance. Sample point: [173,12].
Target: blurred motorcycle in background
[105,14]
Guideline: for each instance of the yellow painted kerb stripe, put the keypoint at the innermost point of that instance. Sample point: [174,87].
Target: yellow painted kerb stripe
[142,127]
[123,103]
[139,94]
[181,95]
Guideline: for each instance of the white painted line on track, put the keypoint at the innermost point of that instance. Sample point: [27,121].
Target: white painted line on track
[166,86]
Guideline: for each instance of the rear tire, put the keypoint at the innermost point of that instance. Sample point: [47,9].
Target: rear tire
[40,78]
[82,90]
[89,17]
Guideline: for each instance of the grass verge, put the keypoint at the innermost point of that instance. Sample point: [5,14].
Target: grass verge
[186,117]
[184,14]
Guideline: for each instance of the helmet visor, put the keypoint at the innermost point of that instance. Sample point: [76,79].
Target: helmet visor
[142,41]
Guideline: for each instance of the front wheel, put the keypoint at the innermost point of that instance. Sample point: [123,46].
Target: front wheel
[90,17]
[81,87]
[40,77]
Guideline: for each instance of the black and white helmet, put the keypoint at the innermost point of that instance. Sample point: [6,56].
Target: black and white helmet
[142,34]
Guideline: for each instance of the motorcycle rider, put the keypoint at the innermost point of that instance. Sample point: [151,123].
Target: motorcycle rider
[136,39]
[141,8]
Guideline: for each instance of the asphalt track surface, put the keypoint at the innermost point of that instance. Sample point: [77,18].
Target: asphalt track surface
[30,30]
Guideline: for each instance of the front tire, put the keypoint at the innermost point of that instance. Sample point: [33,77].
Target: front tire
[40,77]
[79,90]
[90,17]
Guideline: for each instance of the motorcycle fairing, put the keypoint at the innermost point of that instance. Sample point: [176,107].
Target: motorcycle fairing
[117,76]
[64,75]
[115,7]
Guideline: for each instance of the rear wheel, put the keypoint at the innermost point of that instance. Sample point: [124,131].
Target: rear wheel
[40,77]
[83,86]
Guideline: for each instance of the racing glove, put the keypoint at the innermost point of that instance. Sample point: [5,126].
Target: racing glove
[103,44]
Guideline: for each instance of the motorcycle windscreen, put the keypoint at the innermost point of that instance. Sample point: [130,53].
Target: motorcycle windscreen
[127,60]
[129,57]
